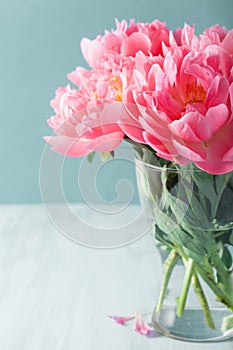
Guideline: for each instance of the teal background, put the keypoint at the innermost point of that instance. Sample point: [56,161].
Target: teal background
[39,46]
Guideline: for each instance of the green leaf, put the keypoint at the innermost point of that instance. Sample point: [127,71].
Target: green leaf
[226,258]
[199,212]
[190,214]
[91,156]
[227,323]
[196,245]
[105,155]
[183,225]
[231,238]
[167,226]
[179,208]
[221,182]
[194,252]
[205,185]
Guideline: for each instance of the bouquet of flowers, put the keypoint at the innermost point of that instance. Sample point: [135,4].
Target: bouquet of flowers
[170,93]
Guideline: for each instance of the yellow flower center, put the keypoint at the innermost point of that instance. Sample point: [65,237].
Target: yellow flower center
[96,95]
[118,87]
[116,84]
[195,93]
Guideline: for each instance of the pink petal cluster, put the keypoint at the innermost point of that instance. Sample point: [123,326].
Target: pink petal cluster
[125,42]
[140,326]
[172,91]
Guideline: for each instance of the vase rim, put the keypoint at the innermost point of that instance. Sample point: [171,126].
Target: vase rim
[175,170]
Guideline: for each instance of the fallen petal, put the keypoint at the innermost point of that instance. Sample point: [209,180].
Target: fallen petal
[121,319]
[141,326]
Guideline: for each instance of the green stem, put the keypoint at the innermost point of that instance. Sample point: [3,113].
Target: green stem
[185,287]
[203,301]
[202,298]
[167,270]
[208,277]
[223,274]
[220,294]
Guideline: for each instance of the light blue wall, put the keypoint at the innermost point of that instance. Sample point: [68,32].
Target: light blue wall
[39,45]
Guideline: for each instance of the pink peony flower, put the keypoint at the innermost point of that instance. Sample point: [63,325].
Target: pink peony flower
[217,35]
[126,42]
[185,108]
[141,326]
[86,119]
[172,91]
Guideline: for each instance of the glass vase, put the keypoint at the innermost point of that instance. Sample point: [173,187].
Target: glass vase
[192,218]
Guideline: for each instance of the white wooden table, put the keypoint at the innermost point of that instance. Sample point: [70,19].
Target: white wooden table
[56,294]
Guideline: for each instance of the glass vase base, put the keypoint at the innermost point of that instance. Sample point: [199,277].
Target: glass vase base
[191,326]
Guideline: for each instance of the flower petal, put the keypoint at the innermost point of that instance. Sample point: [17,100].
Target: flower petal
[134,43]
[217,116]
[189,152]
[106,143]
[121,319]
[228,156]
[134,132]
[68,146]
[140,325]
[162,149]
[217,92]
[188,126]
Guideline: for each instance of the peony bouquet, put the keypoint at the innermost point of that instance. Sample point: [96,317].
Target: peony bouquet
[169,93]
